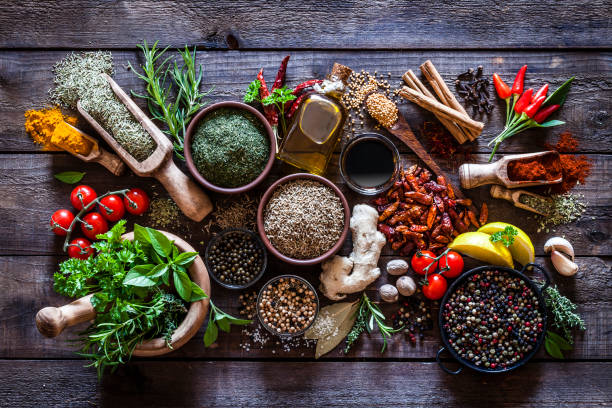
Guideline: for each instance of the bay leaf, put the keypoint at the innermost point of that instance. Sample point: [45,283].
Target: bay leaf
[335,312]
[344,322]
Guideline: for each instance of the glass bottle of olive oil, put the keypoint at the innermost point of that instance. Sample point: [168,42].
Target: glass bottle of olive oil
[317,126]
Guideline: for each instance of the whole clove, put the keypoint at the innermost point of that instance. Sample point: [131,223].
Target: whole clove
[473,88]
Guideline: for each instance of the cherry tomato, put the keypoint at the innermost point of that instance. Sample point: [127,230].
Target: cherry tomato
[80,248]
[81,196]
[60,222]
[93,224]
[138,202]
[455,263]
[436,286]
[423,260]
[112,208]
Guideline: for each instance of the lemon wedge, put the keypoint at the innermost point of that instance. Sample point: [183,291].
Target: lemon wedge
[478,246]
[522,247]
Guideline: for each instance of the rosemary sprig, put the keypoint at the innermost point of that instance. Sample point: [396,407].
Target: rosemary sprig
[367,315]
[184,81]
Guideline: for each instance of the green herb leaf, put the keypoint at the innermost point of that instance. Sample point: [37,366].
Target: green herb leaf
[238,322]
[279,97]
[185,259]
[158,271]
[223,324]
[506,237]
[99,301]
[141,234]
[143,269]
[136,279]
[211,333]
[252,92]
[182,283]
[558,97]
[69,177]
[197,293]
[560,341]
[551,123]
[160,242]
[552,348]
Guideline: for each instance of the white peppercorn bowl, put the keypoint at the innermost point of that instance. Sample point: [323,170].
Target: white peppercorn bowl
[274,280]
[260,219]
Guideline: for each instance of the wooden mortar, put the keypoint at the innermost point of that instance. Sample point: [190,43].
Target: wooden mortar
[51,321]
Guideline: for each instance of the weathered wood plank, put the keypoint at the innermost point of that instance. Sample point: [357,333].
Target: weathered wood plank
[28,285]
[29,195]
[231,384]
[25,77]
[306,24]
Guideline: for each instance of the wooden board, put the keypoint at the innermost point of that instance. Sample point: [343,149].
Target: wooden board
[306,24]
[27,77]
[257,384]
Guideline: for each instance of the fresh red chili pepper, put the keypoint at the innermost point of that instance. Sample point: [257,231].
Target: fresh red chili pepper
[269,110]
[296,104]
[544,113]
[523,101]
[533,108]
[542,91]
[517,86]
[306,84]
[280,76]
[503,90]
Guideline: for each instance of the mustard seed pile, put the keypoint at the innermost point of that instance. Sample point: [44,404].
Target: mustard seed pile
[287,306]
[382,109]
[303,219]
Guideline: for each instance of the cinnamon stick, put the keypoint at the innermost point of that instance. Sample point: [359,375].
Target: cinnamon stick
[436,107]
[446,96]
[454,129]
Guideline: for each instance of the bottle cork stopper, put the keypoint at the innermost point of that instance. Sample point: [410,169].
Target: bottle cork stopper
[341,72]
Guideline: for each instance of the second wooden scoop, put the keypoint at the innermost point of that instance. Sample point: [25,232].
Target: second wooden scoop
[514,196]
[51,321]
[187,195]
[473,175]
[97,154]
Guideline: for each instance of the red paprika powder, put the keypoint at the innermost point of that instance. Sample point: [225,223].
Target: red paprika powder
[546,167]
[575,169]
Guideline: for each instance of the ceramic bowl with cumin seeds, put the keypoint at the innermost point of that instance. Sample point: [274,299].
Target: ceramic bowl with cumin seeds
[228,167]
[303,219]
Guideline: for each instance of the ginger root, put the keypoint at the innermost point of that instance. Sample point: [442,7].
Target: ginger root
[342,275]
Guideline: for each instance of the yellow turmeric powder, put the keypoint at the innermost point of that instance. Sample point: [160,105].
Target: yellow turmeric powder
[42,124]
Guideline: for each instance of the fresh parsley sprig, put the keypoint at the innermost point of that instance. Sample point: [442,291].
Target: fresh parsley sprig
[506,237]
[278,97]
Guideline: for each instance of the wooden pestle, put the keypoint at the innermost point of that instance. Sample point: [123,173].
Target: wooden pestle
[51,321]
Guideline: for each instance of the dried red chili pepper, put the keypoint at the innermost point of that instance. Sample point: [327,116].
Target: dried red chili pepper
[484,214]
[296,104]
[306,84]
[280,76]
[517,86]
[264,92]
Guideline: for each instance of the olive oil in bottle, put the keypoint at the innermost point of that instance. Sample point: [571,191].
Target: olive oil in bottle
[316,129]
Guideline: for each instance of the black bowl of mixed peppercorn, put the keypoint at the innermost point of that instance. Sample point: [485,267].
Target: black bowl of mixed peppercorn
[236,258]
[492,319]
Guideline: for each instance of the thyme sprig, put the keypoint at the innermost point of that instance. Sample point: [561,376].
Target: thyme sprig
[563,312]
[369,314]
[165,78]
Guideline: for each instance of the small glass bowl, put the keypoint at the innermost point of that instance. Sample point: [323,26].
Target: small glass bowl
[218,238]
[370,190]
[274,280]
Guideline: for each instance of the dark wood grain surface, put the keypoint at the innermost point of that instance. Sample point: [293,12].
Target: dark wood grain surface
[557,39]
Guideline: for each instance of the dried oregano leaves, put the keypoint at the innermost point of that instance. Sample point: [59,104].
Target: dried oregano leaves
[332,325]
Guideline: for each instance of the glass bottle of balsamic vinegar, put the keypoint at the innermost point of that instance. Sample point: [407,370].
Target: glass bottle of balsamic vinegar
[317,125]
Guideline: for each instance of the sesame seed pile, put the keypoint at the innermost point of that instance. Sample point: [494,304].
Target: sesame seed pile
[304,219]
[382,109]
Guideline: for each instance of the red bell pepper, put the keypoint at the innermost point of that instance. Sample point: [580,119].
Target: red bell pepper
[542,91]
[544,113]
[523,101]
[503,90]
[533,108]
[517,86]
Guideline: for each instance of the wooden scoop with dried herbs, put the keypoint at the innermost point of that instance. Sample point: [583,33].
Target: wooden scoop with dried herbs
[133,296]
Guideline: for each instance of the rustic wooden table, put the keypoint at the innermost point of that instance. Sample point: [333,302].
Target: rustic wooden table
[557,39]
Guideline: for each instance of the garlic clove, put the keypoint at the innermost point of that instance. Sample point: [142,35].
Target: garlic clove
[559,244]
[562,264]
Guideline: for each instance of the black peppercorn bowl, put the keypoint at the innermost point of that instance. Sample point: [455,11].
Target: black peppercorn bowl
[463,279]
[218,238]
[285,334]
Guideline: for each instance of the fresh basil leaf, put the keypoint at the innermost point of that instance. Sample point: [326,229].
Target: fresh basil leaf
[141,234]
[197,293]
[211,333]
[182,283]
[158,271]
[223,324]
[160,242]
[552,348]
[136,279]
[558,97]
[166,279]
[69,177]
[175,251]
[185,259]
[551,123]
[142,269]
[561,342]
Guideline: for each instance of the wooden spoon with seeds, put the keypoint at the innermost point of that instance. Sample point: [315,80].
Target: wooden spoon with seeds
[514,196]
